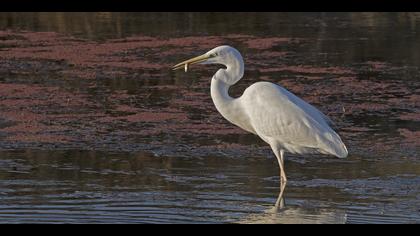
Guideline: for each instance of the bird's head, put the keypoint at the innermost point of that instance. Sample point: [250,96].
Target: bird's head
[223,55]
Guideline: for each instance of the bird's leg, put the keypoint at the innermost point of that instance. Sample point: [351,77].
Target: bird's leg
[280,159]
[279,153]
[280,200]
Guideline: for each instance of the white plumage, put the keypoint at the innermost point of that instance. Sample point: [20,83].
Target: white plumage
[296,126]
[280,118]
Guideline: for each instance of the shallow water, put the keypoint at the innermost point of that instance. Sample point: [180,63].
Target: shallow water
[94,127]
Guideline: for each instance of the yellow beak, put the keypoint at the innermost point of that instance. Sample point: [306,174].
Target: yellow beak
[191,61]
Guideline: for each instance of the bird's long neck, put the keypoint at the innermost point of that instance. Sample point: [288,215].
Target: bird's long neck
[222,80]
[219,91]
[225,104]
[230,108]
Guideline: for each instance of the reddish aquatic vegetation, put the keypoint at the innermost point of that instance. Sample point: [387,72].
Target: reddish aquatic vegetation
[274,54]
[22,116]
[132,39]
[22,102]
[314,78]
[9,42]
[190,102]
[74,117]
[154,117]
[52,46]
[411,137]
[84,74]
[4,34]
[139,117]
[357,85]
[26,127]
[121,95]
[89,57]
[32,127]
[411,102]
[415,98]
[165,87]
[266,43]
[170,52]
[239,36]
[198,128]
[193,94]
[230,146]
[202,43]
[366,106]
[133,65]
[377,65]
[28,106]
[356,129]
[410,116]
[308,70]
[43,37]
[126,108]
[39,138]
[27,38]
[109,114]
[22,90]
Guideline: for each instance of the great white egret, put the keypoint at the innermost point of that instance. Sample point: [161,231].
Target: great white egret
[277,116]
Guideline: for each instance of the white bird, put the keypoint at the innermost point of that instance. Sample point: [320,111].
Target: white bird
[280,118]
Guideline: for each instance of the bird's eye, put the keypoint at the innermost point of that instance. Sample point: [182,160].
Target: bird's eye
[214,54]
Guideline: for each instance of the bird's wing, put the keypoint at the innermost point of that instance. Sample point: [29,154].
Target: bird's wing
[276,113]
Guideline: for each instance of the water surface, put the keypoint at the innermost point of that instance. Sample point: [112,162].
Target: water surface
[94,127]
